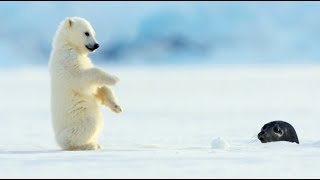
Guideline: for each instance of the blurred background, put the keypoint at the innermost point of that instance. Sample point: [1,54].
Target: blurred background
[168,33]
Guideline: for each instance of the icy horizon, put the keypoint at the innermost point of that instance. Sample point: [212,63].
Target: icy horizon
[169,32]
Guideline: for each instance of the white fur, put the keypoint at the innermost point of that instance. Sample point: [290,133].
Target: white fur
[78,87]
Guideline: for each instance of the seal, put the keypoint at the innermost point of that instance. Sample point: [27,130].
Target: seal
[278,131]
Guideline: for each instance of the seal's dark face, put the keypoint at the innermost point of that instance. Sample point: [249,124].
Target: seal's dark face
[270,132]
[277,131]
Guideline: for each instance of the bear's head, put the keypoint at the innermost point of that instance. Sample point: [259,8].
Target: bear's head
[77,33]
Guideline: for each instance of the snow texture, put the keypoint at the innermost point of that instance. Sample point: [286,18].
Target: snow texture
[219,143]
[171,117]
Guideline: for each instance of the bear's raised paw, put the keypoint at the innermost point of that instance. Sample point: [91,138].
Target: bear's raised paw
[116,108]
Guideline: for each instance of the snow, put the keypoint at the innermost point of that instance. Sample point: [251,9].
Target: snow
[219,143]
[171,115]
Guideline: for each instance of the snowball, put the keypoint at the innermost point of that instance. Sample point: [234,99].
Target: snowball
[219,143]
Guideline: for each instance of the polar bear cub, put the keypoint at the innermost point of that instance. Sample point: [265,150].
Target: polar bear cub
[78,87]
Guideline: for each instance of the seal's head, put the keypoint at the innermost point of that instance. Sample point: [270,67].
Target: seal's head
[278,131]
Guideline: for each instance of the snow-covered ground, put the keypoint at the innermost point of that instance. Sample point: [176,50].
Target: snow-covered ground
[171,115]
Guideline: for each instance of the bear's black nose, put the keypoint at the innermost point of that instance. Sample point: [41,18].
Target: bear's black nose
[96,46]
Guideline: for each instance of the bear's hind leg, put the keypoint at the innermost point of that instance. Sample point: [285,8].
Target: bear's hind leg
[85,147]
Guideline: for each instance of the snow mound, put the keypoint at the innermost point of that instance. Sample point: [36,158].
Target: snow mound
[219,143]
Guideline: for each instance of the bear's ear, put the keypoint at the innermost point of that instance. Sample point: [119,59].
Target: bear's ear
[69,22]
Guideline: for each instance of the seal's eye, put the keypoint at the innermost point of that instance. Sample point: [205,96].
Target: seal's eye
[87,34]
[277,130]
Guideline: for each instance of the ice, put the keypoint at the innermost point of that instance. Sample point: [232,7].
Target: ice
[172,114]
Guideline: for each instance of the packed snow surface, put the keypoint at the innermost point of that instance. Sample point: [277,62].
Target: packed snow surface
[171,117]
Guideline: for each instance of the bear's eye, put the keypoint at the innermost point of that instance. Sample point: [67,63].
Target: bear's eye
[87,34]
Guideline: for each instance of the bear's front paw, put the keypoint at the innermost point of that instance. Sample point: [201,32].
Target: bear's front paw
[115,79]
[111,80]
[116,108]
